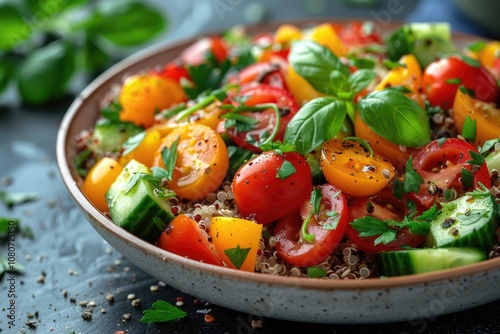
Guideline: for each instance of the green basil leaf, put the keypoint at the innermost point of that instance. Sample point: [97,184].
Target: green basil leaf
[317,121]
[361,79]
[10,199]
[51,7]
[5,74]
[469,130]
[45,73]
[362,62]
[128,23]
[396,117]
[94,57]
[13,27]
[314,62]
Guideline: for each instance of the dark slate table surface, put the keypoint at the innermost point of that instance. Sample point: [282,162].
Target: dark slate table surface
[79,268]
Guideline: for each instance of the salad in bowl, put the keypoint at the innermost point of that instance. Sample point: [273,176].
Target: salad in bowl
[324,151]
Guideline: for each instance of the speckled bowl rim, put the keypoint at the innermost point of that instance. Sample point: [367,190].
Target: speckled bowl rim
[140,60]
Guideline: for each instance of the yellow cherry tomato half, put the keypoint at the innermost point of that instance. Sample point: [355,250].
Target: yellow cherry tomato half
[202,160]
[300,88]
[408,75]
[349,166]
[145,151]
[208,116]
[287,33]
[487,117]
[396,154]
[236,240]
[99,179]
[489,53]
[326,35]
[143,95]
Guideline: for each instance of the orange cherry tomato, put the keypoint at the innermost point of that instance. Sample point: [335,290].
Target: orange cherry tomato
[409,75]
[487,117]
[489,54]
[145,151]
[143,95]
[201,164]
[236,240]
[184,237]
[381,145]
[99,179]
[348,166]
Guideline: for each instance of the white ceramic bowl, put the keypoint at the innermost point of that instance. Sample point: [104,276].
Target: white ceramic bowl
[298,299]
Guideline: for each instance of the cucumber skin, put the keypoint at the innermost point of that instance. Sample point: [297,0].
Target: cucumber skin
[110,135]
[121,181]
[417,261]
[483,237]
[136,211]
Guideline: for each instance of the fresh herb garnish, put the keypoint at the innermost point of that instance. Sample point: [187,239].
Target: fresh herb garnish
[6,267]
[315,272]
[412,180]
[162,312]
[362,142]
[169,157]
[392,64]
[467,178]
[278,147]
[132,142]
[469,130]
[237,255]
[454,81]
[332,221]
[476,46]
[10,199]
[13,225]
[315,201]
[287,169]
[476,159]
[369,226]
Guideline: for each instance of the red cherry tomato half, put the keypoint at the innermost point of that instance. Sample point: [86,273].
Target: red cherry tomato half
[184,237]
[383,206]
[440,165]
[262,94]
[287,231]
[443,77]
[195,53]
[272,185]
[271,73]
[360,33]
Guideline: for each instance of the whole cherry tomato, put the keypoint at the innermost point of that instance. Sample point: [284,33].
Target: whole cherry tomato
[328,227]
[196,53]
[272,185]
[443,77]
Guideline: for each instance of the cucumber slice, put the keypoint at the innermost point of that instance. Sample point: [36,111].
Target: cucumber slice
[424,40]
[109,135]
[121,181]
[416,261]
[467,221]
[141,210]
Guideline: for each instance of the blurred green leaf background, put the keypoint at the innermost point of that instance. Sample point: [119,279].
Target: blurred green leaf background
[46,43]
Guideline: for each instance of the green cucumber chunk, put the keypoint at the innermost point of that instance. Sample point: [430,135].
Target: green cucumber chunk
[427,41]
[142,210]
[417,261]
[109,135]
[121,181]
[467,221]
